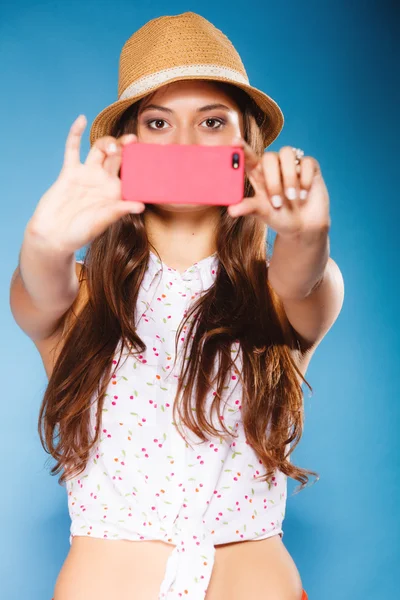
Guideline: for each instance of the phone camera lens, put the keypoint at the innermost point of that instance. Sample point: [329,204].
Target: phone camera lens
[235,160]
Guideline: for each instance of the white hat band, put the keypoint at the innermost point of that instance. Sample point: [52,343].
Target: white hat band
[161,77]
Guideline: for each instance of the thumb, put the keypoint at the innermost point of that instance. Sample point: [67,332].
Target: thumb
[112,163]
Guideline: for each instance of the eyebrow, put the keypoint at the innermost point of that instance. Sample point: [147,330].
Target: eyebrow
[199,110]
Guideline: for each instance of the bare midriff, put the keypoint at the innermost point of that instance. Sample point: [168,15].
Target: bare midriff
[98,569]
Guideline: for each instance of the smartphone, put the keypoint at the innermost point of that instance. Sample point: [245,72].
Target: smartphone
[182,174]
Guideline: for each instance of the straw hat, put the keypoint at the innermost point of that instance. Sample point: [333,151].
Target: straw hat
[173,48]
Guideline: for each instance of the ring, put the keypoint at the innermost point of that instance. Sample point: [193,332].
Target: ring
[298,153]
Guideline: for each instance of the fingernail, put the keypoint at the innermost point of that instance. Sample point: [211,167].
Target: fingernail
[112,147]
[130,137]
[276,201]
[291,193]
[303,194]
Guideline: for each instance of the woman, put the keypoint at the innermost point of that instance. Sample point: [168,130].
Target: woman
[175,470]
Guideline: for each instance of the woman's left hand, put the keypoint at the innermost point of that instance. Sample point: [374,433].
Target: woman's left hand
[274,174]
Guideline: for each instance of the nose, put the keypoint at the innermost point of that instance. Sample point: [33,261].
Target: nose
[185,135]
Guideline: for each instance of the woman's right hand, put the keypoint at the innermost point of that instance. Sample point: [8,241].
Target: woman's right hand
[86,198]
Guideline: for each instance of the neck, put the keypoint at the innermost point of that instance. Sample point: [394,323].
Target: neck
[182,237]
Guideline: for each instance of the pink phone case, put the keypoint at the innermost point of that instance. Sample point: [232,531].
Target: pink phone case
[182,174]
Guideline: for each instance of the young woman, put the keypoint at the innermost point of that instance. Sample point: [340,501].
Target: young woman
[175,351]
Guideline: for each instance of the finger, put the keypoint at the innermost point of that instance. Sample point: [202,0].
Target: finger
[127,139]
[273,178]
[252,205]
[100,150]
[108,214]
[253,166]
[289,173]
[125,207]
[306,175]
[112,163]
[73,142]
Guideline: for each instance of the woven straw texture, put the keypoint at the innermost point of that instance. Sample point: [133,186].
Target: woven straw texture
[173,48]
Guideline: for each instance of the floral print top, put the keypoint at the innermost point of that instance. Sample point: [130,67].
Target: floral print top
[143,481]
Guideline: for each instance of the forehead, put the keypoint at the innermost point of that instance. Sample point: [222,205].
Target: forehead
[202,89]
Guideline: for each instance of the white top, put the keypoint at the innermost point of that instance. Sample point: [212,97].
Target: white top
[143,481]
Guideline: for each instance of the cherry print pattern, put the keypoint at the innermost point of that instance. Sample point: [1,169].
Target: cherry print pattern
[143,480]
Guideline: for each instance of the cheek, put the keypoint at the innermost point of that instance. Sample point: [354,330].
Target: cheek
[237,124]
[143,133]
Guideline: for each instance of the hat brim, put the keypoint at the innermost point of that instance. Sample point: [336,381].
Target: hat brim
[271,127]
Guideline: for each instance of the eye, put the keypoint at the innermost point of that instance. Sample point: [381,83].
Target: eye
[154,121]
[220,121]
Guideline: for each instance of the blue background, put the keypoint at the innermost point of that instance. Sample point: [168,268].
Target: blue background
[331,67]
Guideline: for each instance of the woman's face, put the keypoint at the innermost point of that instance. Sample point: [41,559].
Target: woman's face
[184,116]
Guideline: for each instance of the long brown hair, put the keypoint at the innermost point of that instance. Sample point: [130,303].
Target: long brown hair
[240,306]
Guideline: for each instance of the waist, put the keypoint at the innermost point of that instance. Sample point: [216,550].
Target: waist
[101,569]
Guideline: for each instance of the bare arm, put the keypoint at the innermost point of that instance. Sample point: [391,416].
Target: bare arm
[310,286]
[43,286]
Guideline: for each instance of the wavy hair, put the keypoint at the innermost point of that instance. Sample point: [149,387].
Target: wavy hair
[240,306]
